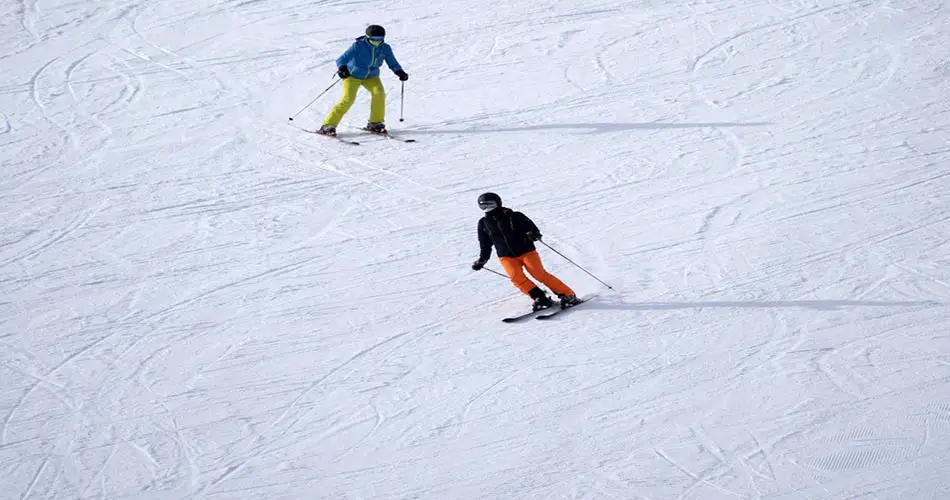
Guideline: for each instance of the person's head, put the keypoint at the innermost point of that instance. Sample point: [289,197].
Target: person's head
[375,34]
[489,201]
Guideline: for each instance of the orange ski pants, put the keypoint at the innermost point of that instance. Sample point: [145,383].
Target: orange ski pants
[531,261]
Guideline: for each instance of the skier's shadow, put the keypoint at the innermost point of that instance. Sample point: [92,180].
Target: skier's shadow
[821,305]
[590,128]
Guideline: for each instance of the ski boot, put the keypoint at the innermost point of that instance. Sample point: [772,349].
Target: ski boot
[375,127]
[541,299]
[568,301]
[327,130]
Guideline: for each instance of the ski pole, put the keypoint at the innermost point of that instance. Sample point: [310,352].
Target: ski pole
[315,99]
[495,272]
[402,99]
[576,264]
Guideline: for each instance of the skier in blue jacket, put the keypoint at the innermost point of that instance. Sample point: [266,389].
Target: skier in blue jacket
[359,67]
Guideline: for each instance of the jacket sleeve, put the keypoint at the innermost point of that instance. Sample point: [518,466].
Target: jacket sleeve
[391,59]
[347,56]
[525,225]
[484,242]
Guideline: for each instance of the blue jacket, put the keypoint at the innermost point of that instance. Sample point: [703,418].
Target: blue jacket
[364,59]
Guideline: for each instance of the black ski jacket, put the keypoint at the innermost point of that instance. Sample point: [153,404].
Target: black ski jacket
[508,231]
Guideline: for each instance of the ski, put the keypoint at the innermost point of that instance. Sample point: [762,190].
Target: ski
[555,310]
[387,135]
[559,310]
[346,141]
[524,316]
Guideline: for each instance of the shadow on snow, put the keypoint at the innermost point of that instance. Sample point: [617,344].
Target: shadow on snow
[591,128]
[823,305]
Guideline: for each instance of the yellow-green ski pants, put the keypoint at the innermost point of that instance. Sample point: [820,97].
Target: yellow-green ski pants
[377,107]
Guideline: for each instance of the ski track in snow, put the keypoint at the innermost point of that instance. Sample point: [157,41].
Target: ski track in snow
[200,301]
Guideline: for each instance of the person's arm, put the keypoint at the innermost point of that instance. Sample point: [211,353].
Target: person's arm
[394,64]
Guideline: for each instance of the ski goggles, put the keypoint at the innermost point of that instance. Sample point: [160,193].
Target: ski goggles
[376,40]
[487,205]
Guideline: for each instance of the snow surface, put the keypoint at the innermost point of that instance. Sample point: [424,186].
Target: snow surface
[200,301]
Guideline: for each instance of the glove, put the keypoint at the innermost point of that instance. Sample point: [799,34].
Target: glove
[343,71]
[403,76]
[478,264]
[533,235]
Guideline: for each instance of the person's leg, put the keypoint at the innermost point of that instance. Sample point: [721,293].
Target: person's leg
[532,261]
[350,87]
[377,106]
[515,269]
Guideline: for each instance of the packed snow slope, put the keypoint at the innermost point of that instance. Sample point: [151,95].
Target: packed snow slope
[198,300]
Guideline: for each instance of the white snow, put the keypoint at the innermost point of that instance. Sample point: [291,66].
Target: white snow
[200,301]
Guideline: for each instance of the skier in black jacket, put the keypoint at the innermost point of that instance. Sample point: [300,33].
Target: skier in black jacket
[513,235]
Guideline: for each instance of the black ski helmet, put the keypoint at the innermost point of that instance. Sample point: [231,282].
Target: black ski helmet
[489,201]
[375,30]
